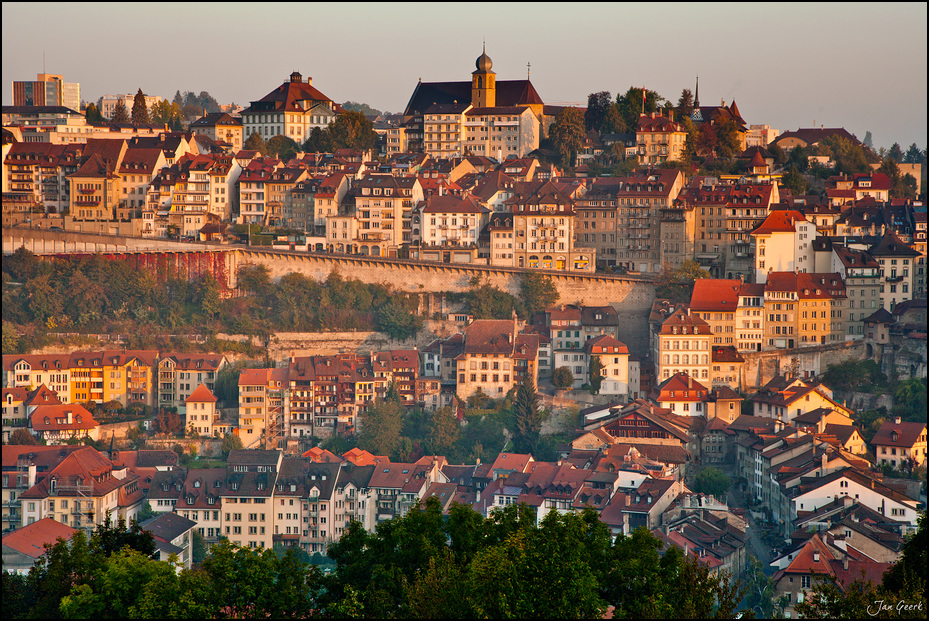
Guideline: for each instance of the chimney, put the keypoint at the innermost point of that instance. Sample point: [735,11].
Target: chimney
[30,477]
[845,561]
[896,420]
[626,495]
[823,463]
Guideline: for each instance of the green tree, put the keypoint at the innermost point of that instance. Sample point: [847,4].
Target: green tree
[231,443]
[712,481]
[167,113]
[895,153]
[685,103]
[256,143]
[362,108]
[613,122]
[910,399]
[92,114]
[319,141]
[537,292]
[282,148]
[380,427]
[594,374]
[562,378]
[443,431]
[597,106]
[140,114]
[677,285]
[630,105]
[795,182]
[727,138]
[397,322]
[567,134]
[10,339]
[120,113]
[528,419]
[352,130]
[913,155]
[255,280]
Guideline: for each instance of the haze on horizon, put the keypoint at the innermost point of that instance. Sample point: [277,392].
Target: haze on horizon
[858,66]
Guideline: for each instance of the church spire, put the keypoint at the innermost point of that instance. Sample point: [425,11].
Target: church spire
[697,93]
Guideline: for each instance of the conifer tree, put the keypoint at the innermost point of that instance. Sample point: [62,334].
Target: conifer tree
[120,113]
[140,114]
[528,418]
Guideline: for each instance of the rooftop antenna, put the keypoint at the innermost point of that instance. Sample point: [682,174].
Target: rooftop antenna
[528,68]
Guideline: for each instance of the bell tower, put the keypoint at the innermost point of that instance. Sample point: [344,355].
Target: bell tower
[483,85]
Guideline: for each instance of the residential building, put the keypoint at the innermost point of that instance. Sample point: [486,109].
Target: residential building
[897,262]
[24,546]
[201,412]
[863,286]
[83,490]
[179,375]
[448,221]
[383,209]
[544,229]
[783,243]
[33,370]
[897,442]
[222,128]
[614,366]
[495,358]
[247,495]
[659,139]
[683,396]
[173,538]
[683,346]
[110,375]
[56,424]
[263,398]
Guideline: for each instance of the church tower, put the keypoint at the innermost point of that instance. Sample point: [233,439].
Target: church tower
[483,86]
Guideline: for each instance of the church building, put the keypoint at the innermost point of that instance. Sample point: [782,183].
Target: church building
[483,116]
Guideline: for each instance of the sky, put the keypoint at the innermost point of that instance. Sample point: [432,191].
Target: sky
[861,66]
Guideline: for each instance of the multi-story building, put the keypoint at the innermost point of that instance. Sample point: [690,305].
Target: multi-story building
[448,221]
[898,262]
[48,90]
[683,346]
[495,358]
[614,365]
[897,442]
[678,228]
[96,186]
[544,230]
[483,116]
[180,374]
[82,491]
[383,208]
[247,497]
[863,286]
[279,188]
[137,169]
[315,200]
[716,301]
[201,412]
[659,139]
[293,110]
[123,376]
[33,370]
[783,243]
[749,317]
[263,400]
[222,128]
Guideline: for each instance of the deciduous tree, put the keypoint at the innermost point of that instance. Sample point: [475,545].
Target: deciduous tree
[597,106]
[256,143]
[537,292]
[562,378]
[567,134]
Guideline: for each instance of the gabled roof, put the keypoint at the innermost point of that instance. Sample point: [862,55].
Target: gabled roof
[720,295]
[780,221]
[902,434]
[201,394]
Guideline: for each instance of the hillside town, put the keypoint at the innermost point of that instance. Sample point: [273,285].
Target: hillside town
[765,406]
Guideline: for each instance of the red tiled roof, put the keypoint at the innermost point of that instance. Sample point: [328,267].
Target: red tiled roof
[201,394]
[54,418]
[781,221]
[715,295]
[901,434]
[32,538]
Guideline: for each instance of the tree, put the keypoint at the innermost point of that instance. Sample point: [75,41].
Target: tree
[140,114]
[612,121]
[352,130]
[443,431]
[795,182]
[396,321]
[527,417]
[685,103]
[913,155]
[594,375]
[362,108]
[282,148]
[562,378]
[567,134]
[168,422]
[537,292]
[677,285]
[167,113]
[895,153]
[319,141]
[727,138]
[255,280]
[256,143]
[10,339]
[629,105]
[380,427]
[92,114]
[231,443]
[910,399]
[868,142]
[120,113]
[597,106]
[712,481]
[21,436]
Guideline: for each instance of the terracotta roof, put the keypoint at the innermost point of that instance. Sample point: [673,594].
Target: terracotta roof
[32,538]
[55,418]
[719,295]
[781,221]
[201,394]
[680,320]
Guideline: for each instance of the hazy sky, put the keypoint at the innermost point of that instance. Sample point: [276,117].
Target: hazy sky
[861,66]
